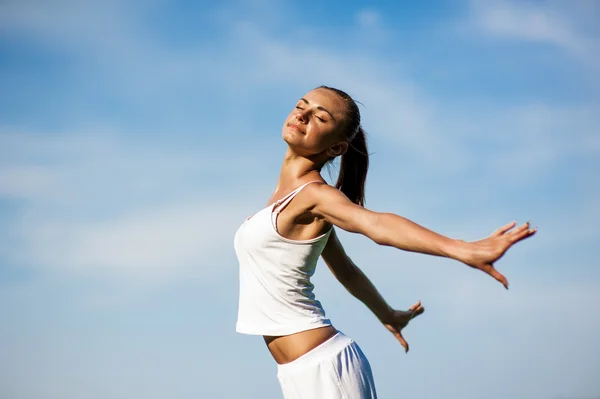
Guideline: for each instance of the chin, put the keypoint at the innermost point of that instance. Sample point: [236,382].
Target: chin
[288,136]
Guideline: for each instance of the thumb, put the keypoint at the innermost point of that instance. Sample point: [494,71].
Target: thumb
[489,269]
[402,342]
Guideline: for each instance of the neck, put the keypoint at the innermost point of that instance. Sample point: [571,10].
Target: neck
[296,168]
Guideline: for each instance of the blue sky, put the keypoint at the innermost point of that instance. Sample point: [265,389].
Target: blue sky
[136,136]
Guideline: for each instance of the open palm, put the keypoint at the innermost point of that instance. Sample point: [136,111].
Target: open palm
[484,253]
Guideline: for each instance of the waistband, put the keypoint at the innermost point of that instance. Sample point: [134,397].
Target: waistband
[326,350]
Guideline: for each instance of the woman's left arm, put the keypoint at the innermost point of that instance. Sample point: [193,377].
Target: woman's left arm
[394,230]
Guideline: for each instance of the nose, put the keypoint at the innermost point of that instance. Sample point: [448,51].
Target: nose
[301,115]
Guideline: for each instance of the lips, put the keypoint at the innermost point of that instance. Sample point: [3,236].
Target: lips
[295,127]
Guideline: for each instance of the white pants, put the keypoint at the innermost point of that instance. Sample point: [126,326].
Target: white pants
[336,369]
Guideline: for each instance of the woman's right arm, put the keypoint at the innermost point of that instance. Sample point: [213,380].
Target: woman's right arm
[394,230]
[359,285]
[353,279]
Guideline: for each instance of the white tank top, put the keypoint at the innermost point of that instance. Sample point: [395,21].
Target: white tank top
[276,295]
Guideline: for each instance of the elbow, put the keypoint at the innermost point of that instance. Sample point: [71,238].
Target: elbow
[380,238]
[377,230]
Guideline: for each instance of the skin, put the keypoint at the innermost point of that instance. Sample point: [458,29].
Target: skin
[313,132]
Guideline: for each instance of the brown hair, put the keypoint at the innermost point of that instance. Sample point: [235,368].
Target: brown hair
[355,161]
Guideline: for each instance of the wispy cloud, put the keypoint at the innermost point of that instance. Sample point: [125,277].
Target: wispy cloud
[150,220]
[168,137]
[99,206]
[568,26]
[369,18]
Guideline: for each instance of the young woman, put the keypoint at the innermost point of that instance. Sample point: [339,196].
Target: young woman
[279,246]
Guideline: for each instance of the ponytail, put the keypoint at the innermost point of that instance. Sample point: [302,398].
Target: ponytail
[355,161]
[353,169]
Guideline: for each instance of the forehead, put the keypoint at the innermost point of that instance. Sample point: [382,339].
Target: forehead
[327,99]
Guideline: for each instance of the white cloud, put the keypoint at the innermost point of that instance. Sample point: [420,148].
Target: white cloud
[146,66]
[99,24]
[137,186]
[94,205]
[522,141]
[397,109]
[140,208]
[526,143]
[111,205]
[147,243]
[369,18]
[561,24]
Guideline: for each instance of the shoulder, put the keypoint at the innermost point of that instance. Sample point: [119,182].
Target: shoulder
[332,205]
[319,192]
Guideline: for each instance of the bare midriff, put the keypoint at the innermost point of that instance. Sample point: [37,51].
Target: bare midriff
[288,348]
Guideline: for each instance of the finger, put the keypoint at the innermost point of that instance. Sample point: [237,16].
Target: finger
[502,230]
[415,306]
[416,310]
[420,310]
[524,232]
[496,275]
[402,342]
[520,229]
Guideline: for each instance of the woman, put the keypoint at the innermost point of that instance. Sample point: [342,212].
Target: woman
[279,246]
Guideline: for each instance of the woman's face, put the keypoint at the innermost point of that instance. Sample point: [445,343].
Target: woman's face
[314,125]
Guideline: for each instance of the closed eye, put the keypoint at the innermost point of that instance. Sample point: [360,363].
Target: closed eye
[318,117]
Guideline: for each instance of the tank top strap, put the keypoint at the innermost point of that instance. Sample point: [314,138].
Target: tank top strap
[282,203]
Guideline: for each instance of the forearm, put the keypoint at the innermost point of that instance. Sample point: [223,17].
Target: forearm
[359,285]
[401,233]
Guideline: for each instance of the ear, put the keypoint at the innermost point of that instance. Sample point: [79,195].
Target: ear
[337,149]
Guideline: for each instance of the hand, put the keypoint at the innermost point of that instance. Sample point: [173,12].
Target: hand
[483,253]
[399,319]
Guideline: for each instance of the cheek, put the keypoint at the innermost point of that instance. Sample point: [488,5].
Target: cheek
[327,131]
[322,137]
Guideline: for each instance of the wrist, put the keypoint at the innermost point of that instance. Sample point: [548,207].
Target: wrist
[458,250]
[386,315]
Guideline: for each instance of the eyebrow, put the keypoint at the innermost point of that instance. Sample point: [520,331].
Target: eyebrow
[319,107]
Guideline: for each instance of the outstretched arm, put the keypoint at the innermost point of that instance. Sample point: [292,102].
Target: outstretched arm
[358,284]
[397,231]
